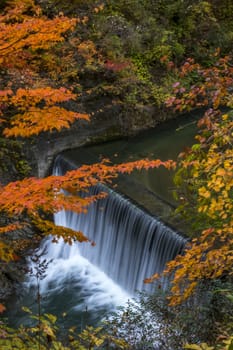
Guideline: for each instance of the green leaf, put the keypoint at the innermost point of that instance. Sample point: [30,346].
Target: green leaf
[26,309]
[196,147]
[51,318]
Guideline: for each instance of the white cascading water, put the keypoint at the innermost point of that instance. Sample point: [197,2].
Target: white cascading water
[130,245]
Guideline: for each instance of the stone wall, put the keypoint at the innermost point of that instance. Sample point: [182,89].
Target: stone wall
[110,124]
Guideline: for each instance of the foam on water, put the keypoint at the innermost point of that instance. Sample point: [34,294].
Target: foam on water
[88,283]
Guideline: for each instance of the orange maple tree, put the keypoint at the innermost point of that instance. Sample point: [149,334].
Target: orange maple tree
[24,32]
[29,106]
[31,118]
[24,29]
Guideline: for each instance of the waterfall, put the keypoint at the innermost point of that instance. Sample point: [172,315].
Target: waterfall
[130,244]
[86,282]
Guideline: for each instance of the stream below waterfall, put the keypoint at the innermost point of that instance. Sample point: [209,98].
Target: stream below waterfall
[84,283]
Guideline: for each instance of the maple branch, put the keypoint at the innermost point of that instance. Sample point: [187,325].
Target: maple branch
[13,43]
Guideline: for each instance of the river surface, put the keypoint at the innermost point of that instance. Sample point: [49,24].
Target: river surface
[72,288]
[164,142]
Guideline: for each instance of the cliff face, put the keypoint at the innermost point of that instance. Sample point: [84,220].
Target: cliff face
[104,126]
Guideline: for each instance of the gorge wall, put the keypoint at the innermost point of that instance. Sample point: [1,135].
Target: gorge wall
[108,123]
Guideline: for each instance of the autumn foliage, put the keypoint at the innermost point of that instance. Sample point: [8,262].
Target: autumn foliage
[205,178]
[24,29]
[31,119]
